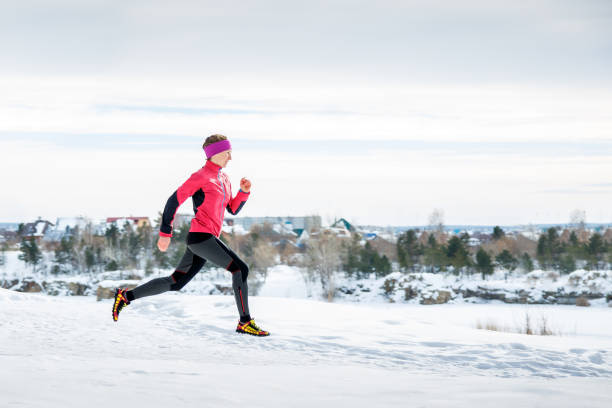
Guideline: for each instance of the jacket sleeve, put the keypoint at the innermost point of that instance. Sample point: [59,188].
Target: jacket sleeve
[236,203]
[186,190]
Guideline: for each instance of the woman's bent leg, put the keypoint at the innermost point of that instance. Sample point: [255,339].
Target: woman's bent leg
[214,250]
[189,266]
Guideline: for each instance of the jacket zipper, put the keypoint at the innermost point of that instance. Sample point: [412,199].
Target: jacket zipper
[223,188]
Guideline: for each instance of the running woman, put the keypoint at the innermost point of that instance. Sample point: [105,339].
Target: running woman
[211,193]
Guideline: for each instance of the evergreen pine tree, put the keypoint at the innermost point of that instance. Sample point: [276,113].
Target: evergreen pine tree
[148,267]
[543,253]
[30,253]
[506,260]
[567,263]
[135,245]
[435,255]
[64,254]
[526,262]
[573,239]
[575,249]
[554,246]
[549,249]
[498,233]
[483,263]
[383,267]
[90,258]
[595,249]
[457,252]
[408,249]
[376,263]
[352,251]
[112,236]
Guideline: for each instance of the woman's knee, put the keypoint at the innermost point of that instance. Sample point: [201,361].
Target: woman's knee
[238,265]
[176,283]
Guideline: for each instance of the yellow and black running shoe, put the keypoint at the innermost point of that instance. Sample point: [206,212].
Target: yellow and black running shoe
[120,302]
[251,328]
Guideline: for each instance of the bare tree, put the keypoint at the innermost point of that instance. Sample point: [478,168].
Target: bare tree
[578,219]
[263,257]
[324,258]
[436,223]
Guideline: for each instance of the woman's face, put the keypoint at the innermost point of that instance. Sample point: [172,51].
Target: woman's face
[221,159]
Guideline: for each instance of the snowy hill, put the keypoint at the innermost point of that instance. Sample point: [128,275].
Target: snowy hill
[180,350]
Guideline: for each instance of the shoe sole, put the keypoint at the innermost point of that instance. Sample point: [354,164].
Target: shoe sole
[252,334]
[114,303]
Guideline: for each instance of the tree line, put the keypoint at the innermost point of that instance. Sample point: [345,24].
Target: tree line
[127,247]
[456,255]
[323,254]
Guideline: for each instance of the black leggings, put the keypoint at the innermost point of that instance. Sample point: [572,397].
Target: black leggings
[202,247]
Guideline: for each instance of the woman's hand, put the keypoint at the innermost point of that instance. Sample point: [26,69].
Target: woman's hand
[163,243]
[245,185]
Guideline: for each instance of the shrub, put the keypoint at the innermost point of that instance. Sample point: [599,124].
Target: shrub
[541,328]
[582,301]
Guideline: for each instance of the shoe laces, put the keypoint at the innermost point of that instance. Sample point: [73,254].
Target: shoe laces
[121,301]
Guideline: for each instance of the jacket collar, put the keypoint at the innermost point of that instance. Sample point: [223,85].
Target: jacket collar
[212,166]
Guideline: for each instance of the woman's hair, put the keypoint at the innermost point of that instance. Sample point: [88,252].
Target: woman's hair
[213,139]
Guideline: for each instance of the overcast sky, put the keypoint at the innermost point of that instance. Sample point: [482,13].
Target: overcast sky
[495,112]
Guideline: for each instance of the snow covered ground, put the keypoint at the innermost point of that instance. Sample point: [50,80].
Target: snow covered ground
[179,349]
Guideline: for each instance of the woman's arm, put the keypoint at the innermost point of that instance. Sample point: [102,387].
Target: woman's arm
[236,203]
[186,190]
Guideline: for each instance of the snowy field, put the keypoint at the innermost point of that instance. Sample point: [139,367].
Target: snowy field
[181,350]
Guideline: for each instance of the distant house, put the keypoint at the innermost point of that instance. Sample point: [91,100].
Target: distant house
[37,229]
[342,223]
[70,224]
[384,247]
[66,227]
[284,229]
[296,224]
[137,221]
[482,237]
[8,231]
[474,242]
[230,228]
[339,232]
[529,234]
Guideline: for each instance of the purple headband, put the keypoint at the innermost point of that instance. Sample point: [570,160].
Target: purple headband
[217,147]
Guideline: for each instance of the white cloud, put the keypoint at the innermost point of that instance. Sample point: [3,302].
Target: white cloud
[314,111]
